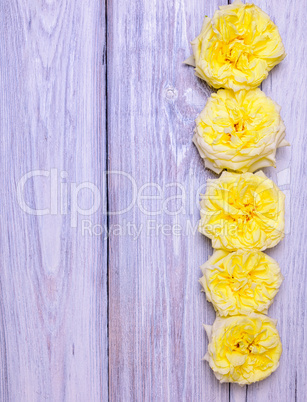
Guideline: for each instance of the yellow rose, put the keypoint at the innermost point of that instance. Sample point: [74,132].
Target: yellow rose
[241,282]
[237,47]
[243,349]
[239,131]
[242,211]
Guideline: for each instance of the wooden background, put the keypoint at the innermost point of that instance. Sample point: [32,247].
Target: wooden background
[86,87]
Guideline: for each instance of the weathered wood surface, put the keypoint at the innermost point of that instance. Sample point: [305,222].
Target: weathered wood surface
[53,327]
[156,308]
[86,317]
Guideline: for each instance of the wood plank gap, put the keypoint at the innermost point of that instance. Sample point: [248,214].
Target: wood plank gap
[295,392]
[105,60]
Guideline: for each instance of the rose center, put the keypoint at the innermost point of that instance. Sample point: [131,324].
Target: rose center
[236,49]
[239,128]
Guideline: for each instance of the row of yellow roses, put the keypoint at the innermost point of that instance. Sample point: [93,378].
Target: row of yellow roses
[240,129]
[242,214]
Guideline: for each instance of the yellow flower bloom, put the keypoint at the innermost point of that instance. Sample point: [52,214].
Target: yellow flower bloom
[242,211]
[243,349]
[237,47]
[239,131]
[241,282]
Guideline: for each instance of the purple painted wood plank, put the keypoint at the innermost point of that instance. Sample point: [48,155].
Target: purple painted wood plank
[53,326]
[157,341]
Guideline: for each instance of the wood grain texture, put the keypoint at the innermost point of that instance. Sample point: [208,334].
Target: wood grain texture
[53,324]
[119,317]
[156,308]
